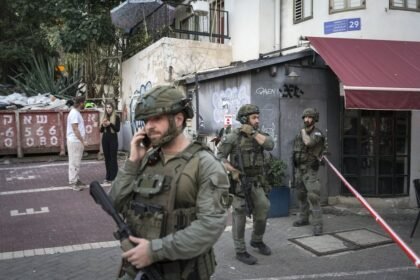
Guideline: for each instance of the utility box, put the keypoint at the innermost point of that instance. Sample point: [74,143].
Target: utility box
[280,201]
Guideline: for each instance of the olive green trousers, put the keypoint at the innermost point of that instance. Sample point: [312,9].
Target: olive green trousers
[259,215]
[308,191]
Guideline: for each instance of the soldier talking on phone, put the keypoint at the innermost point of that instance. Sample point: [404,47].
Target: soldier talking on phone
[173,193]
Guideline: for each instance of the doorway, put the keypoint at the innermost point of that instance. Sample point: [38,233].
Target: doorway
[376,152]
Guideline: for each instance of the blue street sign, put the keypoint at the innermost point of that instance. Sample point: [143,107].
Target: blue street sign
[342,25]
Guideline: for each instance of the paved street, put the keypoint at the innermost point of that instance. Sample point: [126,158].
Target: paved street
[49,231]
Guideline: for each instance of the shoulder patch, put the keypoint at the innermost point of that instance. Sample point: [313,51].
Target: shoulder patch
[317,133]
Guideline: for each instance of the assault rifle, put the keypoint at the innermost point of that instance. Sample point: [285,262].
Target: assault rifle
[245,184]
[246,188]
[122,233]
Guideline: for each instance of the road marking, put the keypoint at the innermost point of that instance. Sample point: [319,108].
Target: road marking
[43,190]
[30,177]
[247,226]
[58,250]
[29,211]
[48,165]
[340,274]
[24,175]
[35,190]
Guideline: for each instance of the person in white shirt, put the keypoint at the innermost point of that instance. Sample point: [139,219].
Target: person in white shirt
[75,142]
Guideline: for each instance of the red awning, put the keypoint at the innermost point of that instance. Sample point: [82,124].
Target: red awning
[376,74]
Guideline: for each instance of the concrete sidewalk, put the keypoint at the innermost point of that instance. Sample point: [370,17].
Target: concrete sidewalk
[288,261]
[354,246]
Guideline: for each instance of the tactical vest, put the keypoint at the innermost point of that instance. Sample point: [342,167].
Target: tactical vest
[252,156]
[152,213]
[303,154]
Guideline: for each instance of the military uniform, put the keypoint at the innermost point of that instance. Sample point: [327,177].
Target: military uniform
[253,160]
[179,203]
[306,162]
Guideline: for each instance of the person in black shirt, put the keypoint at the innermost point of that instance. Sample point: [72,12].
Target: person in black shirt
[110,126]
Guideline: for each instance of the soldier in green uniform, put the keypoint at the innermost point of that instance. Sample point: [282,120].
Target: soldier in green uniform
[242,152]
[173,194]
[308,147]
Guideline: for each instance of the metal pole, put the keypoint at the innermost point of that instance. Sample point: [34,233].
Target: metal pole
[407,250]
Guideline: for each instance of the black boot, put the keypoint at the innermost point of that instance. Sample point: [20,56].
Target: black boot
[301,222]
[317,229]
[262,248]
[317,221]
[246,258]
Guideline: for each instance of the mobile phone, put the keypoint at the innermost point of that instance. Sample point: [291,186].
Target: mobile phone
[146,141]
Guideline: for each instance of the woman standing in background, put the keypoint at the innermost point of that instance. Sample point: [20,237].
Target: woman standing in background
[110,126]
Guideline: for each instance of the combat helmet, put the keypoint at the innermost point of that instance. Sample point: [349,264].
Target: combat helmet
[245,111]
[161,100]
[311,112]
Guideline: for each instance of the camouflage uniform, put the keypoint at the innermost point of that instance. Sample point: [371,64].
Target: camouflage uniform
[306,162]
[178,203]
[253,163]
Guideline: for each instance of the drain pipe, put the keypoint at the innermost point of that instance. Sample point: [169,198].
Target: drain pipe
[277,24]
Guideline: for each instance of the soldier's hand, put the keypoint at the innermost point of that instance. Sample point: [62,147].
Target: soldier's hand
[235,175]
[139,256]
[137,150]
[248,130]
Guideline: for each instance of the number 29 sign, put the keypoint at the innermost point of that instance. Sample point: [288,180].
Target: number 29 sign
[342,25]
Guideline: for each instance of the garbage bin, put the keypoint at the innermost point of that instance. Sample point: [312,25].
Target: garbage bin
[280,200]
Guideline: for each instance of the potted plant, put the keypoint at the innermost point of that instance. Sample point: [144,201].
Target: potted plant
[276,172]
[280,194]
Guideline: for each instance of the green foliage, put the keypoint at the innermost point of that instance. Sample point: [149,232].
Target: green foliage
[40,76]
[20,34]
[49,27]
[276,171]
[85,22]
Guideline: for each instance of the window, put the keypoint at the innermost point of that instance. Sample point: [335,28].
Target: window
[192,23]
[376,152]
[302,10]
[346,5]
[409,5]
[212,27]
[217,20]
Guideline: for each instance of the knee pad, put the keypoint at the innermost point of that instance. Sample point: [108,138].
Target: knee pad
[313,197]
[301,195]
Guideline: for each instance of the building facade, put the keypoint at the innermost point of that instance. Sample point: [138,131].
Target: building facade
[245,51]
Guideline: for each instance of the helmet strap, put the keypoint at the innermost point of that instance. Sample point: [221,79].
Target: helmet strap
[244,120]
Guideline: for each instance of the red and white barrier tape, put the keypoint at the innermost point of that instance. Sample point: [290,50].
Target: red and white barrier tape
[407,250]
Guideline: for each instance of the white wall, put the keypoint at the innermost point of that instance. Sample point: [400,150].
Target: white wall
[253,24]
[185,56]
[152,66]
[267,26]
[244,29]
[377,22]
[253,27]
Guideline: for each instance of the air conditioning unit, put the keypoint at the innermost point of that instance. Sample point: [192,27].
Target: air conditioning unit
[200,8]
